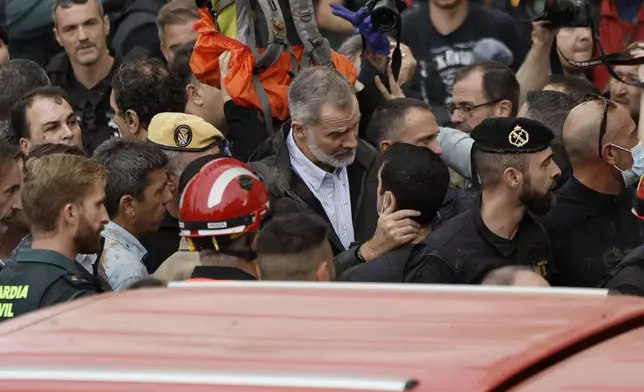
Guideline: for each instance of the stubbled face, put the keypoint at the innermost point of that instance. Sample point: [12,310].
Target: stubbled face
[151,209]
[539,181]
[51,121]
[92,218]
[82,31]
[334,139]
[10,189]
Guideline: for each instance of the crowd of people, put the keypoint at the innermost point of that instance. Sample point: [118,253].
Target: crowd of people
[488,159]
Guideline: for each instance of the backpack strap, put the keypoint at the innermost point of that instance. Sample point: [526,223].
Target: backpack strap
[266,104]
[277,42]
[316,47]
[130,21]
[58,69]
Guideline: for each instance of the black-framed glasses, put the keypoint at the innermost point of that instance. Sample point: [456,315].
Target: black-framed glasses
[467,109]
[602,128]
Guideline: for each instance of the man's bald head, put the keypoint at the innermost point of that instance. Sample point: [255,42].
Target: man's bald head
[582,127]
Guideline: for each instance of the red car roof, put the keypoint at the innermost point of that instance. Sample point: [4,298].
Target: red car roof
[613,365]
[251,335]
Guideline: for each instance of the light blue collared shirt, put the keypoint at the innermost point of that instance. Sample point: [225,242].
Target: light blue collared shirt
[122,257]
[331,189]
[457,150]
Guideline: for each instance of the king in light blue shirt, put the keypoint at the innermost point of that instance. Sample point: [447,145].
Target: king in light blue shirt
[331,189]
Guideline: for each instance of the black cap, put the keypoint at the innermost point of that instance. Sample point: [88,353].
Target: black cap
[506,135]
[4,34]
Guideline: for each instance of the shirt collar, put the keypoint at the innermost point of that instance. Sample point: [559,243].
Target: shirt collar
[314,176]
[47,257]
[527,233]
[125,238]
[503,245]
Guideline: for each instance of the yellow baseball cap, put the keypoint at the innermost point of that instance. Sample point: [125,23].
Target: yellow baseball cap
[182,132]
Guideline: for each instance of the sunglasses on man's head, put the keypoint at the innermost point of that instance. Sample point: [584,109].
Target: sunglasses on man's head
[607,103]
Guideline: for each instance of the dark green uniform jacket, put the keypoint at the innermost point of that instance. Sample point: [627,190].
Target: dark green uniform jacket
[39,278]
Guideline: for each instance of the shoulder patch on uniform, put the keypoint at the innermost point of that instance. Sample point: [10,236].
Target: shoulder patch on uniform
[77,281]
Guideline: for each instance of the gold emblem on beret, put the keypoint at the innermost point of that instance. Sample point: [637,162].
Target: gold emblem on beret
[182,135]
[518,137]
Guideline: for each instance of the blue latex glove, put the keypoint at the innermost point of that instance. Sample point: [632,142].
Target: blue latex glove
[376,40]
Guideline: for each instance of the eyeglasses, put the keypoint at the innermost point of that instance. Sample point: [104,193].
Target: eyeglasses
[602,128]
[466,110]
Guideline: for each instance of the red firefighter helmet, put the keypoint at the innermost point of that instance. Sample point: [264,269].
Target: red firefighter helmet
[224,198]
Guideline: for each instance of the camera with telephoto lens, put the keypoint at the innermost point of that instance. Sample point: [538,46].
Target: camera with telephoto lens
[558,13]
[385,14]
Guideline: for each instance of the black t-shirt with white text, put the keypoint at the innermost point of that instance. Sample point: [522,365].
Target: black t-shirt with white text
[440,56]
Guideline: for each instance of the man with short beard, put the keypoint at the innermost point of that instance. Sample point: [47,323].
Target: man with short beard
[514,161]
[318,160]
[84,262]
[12,223]
[86,67]
[63,198]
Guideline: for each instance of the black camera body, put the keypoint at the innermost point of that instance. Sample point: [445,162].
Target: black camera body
[385,14]
[558,13]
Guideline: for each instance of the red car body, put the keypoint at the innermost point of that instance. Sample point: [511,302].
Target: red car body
[250,336]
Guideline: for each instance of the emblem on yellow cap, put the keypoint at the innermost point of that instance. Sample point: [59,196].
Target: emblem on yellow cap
[182,135]
[518,137]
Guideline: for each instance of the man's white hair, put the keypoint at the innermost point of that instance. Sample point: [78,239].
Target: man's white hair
[315,87]
[177,162]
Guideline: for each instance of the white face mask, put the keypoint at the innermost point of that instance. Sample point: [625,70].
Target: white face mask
[632,175]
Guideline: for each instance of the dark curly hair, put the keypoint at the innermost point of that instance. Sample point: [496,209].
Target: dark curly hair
[147,87]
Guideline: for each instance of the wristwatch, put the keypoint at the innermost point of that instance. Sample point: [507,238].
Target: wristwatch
[359,255]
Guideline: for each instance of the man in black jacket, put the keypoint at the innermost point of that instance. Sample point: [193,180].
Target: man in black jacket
[63,199]
[318,160]
[627,277]
[412,179]
[514,161]
[409,120]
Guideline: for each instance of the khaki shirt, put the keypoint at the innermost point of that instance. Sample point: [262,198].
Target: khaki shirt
[179,266]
